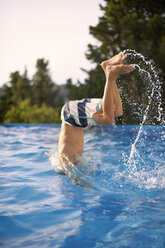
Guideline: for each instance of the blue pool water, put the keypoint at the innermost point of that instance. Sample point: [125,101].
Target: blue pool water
[122,201]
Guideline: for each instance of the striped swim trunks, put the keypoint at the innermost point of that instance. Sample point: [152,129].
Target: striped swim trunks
[79,113]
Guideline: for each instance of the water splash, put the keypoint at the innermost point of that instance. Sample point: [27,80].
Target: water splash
[154,83]
[139,171]
[135,164]
[80,172]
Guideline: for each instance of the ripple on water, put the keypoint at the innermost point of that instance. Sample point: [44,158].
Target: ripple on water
[39,206]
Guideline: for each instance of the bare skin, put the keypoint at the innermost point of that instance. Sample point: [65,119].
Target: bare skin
[70,143]
[71,139]
[117,59]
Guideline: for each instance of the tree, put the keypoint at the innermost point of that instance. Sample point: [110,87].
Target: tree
[138,25]
[17,90]
[75,91]
[42,84]
[25,112]
[28,101]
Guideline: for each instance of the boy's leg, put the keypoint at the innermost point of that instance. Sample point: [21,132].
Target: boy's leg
[116,60]
[111,95]
[117,102]
[70,143]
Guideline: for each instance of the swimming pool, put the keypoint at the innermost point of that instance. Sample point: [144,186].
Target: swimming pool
[123,207]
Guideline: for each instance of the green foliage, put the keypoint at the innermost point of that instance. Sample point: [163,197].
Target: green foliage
[29,101]
[77,91]
[24,112]
[125,24]
[42,84]
[17,90]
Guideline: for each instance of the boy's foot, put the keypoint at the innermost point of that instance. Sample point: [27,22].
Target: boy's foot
[115,60]
[114,71]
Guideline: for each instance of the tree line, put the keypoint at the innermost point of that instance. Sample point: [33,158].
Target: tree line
[30,101]
[124,24]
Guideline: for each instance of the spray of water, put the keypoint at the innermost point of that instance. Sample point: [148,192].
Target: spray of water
[134,159]
[80,172]
[155,84]
[135,165]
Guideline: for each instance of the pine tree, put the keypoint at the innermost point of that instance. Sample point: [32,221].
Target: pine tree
[75,91]
[42,84]
[138,25]
[15,91]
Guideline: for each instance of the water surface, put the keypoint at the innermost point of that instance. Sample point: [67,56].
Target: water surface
[125,207]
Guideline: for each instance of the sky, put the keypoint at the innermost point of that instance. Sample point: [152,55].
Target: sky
[56,30]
